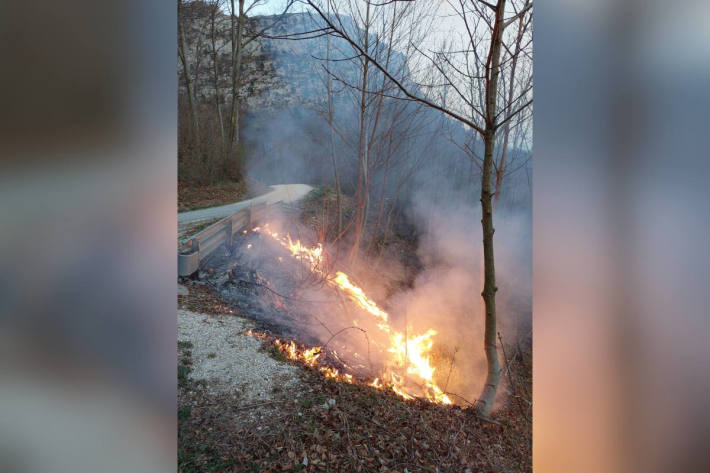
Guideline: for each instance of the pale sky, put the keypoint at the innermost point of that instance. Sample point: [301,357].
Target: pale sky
[446,26]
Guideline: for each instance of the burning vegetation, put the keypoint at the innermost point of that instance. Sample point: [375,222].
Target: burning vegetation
[361,359]
[407,369]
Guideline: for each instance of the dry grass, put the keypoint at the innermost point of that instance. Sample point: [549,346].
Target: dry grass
[204,300]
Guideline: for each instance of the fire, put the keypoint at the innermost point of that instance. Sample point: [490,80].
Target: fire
[309,357]
[358,295]
[251,333]
[409,354]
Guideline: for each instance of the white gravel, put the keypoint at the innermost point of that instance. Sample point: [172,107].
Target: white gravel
[230,361]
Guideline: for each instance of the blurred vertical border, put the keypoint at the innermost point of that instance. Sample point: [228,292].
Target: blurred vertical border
[88,236]
[621,231]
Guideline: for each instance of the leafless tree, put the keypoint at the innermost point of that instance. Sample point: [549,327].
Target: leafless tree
[331,135]
[214,14]
[241,36]
[190,86]
[516,79]
[238,18]
[206,28]
[473,73]
[381,32]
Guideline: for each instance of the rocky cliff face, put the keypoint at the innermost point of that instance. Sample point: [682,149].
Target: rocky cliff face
[276,73]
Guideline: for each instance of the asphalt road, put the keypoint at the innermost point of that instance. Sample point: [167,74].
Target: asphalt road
[286,193]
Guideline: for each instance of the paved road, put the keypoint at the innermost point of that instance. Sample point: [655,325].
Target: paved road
[286,193]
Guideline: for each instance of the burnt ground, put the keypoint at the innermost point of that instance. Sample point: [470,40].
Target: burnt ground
[317,424]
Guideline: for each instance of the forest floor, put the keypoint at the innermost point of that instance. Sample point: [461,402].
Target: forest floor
[244,408]
[192,197]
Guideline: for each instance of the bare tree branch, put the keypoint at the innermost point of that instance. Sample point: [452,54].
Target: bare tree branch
[341,33]
[517,111]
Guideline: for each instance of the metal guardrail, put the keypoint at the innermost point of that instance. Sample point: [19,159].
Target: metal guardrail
[201,245]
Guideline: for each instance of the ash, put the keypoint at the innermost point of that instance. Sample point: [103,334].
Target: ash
[260,279]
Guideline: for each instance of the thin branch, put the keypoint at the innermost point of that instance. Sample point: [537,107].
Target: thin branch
[520,13]
[520,109]
[404,90]
[336,60]
[489,5]
[511,102]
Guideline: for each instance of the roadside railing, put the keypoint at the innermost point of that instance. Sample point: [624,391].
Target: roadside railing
[194,251]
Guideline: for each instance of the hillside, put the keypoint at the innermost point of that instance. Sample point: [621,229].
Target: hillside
[283,113]
[276,73]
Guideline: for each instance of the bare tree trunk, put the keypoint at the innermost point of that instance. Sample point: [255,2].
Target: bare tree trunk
[487,398]
[237,53]
[198,58]
[372,138]
[361,194]
[329,91]
[215,73]
[335,165]
[500,169]
[191,99]
[381,206]
[486,112]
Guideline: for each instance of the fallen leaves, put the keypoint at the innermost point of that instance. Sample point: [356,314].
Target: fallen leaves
[204,300]
[385,434]
[330,426]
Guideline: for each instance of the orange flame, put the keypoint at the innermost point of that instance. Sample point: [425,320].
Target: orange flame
[409,354]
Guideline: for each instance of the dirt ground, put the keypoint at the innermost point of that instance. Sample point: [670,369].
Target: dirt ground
[243,408]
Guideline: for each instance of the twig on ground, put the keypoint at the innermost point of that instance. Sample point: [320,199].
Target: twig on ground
[513,384]
[451,366]
[488,419]
[263,404]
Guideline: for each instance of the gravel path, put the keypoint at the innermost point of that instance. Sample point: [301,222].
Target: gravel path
[229,361]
